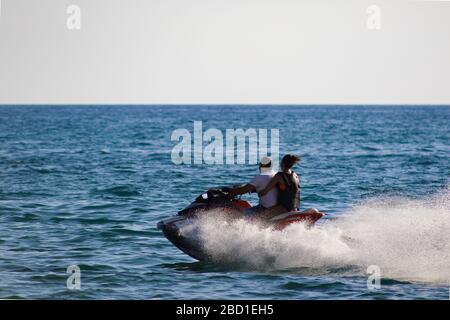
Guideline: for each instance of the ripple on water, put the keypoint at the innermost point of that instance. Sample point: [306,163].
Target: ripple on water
[118,191]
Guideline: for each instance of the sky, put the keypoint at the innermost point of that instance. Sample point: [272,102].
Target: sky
[225,52]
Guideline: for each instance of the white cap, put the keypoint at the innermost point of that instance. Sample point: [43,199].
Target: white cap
[265,161]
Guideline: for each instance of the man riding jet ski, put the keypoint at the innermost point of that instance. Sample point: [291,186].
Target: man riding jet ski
[279,202]
[258,184]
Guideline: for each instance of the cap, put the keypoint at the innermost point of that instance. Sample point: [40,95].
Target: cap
[266,161]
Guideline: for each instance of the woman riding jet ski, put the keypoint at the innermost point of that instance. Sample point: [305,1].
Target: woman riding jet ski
[279,202]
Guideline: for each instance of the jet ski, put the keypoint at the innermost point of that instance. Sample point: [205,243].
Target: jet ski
[233,208]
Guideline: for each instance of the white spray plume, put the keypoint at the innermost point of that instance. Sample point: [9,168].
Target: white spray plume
[408,239]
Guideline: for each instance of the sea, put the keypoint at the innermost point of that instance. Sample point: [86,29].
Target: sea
[82,188]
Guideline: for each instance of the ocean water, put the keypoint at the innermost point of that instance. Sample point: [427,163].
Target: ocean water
[86,185]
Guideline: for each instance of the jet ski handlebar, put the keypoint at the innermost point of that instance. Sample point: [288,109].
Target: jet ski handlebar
[215,195]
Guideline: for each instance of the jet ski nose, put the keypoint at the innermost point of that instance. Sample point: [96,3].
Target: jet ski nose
[160,225]
[171,223]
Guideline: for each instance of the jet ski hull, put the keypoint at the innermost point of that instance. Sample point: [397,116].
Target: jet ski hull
[172,229]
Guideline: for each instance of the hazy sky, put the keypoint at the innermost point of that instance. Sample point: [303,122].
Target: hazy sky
[224,51]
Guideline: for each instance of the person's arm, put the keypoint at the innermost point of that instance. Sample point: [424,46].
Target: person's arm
[241,190]
[270,186]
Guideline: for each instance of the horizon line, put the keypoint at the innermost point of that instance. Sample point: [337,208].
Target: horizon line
[231,104]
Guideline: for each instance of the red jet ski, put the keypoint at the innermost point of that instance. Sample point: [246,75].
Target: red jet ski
[231,206]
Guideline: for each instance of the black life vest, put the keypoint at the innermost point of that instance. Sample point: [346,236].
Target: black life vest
[289,197]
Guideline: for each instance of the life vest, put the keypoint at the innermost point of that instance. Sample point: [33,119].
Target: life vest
[289,191]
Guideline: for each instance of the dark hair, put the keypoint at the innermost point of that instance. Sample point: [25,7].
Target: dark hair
[266,166]
[290,160]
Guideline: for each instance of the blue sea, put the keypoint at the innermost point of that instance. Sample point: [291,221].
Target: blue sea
[86,186]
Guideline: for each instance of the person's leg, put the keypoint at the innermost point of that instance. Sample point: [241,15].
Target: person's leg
[250,212]
[269,213]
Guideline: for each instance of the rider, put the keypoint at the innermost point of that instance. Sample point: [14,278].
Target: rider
[287,183]
[257,184]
